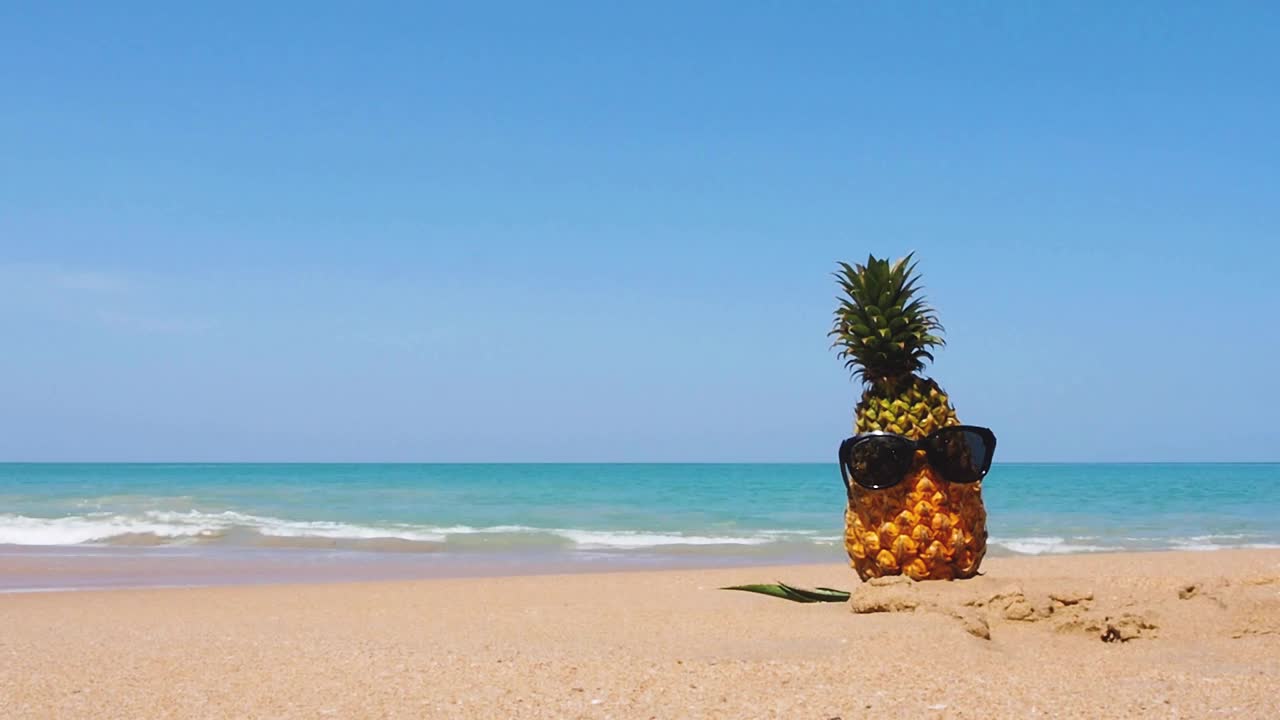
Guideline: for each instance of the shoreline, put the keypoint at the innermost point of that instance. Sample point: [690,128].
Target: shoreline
[37,569]
[1187,634]
[28,569]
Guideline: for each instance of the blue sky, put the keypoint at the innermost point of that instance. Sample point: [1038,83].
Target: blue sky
[508,232]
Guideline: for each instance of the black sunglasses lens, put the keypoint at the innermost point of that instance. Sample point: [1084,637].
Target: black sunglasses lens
[879,462]
[961,455]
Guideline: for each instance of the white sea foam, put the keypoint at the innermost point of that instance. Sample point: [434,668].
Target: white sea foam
[1049,546]
[104,527]
[170,527]
[176,526]
[1063,546]
[277,527]
[597,539]
[1201,543]
[97,527]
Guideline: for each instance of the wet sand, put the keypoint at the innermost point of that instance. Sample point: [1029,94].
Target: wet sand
[41,568]
[1124,635]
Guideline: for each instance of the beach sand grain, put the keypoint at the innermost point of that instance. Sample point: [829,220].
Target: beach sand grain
[1191,634]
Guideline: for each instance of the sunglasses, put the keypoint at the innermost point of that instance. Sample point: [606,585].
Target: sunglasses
[879,460]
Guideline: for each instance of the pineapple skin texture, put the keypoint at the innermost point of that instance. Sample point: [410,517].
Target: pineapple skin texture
[925,527]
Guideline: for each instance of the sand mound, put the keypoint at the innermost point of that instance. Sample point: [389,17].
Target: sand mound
[1110,609]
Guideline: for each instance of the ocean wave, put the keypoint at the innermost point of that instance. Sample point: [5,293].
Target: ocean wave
[231,528]
[596,539]
[1049,546]
[169,527]
[1052,545]
[277,527]
[95,527]
[1222,541]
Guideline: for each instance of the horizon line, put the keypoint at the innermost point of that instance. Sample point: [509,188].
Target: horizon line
[601,462]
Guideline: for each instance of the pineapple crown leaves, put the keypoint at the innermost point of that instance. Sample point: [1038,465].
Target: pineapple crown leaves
[883,326]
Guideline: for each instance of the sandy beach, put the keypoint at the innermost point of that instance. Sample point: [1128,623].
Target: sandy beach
[1118,635]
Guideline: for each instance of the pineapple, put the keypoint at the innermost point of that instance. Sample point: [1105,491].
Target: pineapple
[924,527]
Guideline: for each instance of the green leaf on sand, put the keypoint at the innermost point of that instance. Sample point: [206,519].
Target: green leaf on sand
[794,594]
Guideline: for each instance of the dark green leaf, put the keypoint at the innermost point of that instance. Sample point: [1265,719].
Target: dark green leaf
[776,590]
[818,594]
[794,594]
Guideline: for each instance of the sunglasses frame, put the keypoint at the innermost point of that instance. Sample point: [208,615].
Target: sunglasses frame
[846,447]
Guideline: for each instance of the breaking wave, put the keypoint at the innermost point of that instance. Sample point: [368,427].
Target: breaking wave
[1050,546]
[1090,544]
[230,527]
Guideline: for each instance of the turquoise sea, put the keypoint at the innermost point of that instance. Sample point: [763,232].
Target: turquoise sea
[639,512]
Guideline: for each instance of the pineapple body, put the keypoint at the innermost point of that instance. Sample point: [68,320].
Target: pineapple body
[925,527]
